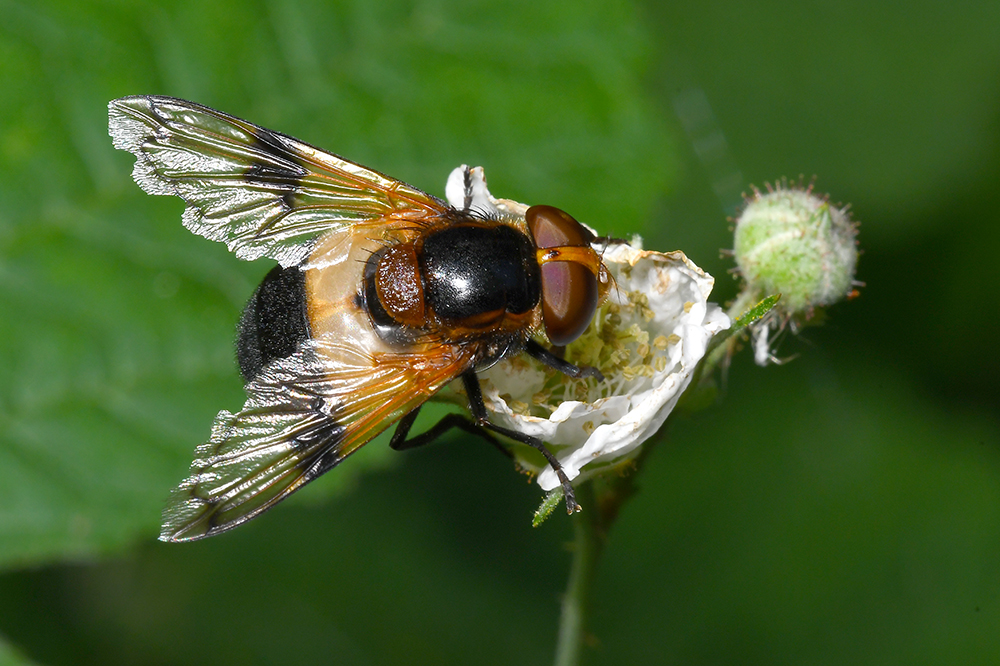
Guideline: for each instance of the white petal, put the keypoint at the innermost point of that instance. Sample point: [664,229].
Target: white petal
[466,190]
[629,411]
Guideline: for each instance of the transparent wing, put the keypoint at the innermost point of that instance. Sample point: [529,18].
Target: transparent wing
[261,192]
[301,418]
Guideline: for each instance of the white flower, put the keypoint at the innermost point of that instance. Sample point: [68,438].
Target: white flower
[646,338]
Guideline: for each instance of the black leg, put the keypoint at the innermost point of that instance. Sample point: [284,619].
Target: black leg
[478,408]
[543,355]
[610,240]
[399,441]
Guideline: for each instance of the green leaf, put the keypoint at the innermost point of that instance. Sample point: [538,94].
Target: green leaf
[116,323]
[10,656]
[701,393]
[547,506]
[755,313]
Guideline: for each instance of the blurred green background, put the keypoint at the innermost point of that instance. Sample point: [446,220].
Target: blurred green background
[840,509]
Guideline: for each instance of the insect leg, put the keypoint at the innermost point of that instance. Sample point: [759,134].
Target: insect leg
[543,355]
[609,240]
[400,442]
[478,408]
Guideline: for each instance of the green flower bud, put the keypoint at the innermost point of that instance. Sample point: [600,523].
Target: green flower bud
[793,242]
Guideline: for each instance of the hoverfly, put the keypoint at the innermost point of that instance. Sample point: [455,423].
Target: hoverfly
[383,295]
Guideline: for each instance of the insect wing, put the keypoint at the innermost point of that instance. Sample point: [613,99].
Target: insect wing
[261,192]
[301,418]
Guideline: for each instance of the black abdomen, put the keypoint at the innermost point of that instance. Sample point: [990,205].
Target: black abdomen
[274,321]
[472,269]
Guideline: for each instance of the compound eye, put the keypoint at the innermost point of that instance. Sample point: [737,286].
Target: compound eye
[569,300]
[551,227]
[569,288]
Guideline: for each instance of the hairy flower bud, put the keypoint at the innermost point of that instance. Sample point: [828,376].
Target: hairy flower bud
[793,242]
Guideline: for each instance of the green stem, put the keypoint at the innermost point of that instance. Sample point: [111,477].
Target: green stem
[587,545]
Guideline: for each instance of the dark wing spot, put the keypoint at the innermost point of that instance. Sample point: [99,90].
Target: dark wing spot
[270,174]
[324,439]
[323,463]
[154,108]
[213,521]
[282,171]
